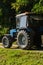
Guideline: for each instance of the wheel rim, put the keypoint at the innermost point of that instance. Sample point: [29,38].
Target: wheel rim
[22,40]
[5,41]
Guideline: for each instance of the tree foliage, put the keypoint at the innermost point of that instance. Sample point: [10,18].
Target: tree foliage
[22,5]
[28,5]
[6,12]
[38,7]
[7,16]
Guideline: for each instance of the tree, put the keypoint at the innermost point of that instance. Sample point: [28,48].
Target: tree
[22,5]
[7,12]
[38,7]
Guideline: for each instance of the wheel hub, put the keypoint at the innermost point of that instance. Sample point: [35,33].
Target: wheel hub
[23,40]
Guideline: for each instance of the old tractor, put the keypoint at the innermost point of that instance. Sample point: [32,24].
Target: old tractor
[29,31]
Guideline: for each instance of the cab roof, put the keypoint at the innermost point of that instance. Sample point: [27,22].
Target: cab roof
[32,15]
[22,14]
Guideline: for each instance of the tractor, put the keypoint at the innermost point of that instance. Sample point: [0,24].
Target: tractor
[28,31]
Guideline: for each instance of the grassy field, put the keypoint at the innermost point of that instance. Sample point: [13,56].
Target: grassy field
[20,57]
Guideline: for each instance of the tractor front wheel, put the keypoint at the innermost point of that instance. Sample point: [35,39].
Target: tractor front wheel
[7,41]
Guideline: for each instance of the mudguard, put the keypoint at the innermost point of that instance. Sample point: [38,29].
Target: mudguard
[12,31]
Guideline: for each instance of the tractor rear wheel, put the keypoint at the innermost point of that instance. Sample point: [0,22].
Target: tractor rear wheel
[7,41]
[24,40]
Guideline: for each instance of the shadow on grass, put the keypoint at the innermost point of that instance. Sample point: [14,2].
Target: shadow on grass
[33,48]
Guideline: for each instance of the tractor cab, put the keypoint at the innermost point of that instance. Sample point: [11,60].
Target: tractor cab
[21,21]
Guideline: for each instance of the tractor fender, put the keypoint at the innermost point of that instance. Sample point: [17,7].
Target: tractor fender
[30,30]
[12,31]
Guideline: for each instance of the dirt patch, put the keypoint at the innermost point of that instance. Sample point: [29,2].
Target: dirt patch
[13,46]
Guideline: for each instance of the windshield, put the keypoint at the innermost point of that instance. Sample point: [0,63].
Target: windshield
[23,21]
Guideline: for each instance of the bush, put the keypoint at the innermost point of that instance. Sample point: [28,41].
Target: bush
[3,31]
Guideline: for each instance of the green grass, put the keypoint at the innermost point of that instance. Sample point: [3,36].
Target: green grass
[20,57]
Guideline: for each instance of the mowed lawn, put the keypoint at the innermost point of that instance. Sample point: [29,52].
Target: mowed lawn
[20,57]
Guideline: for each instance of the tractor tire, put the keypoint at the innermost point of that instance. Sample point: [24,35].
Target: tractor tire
[7,41]
[24,40]
[38,40]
